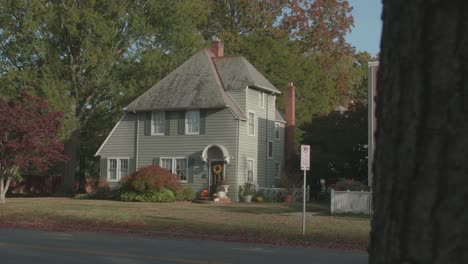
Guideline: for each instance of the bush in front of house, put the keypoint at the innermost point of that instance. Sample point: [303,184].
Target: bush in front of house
[349,184]
[149,184]
[162,196]
[149,179]
[185,194]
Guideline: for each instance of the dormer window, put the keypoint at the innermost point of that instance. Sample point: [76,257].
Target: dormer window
[159,123]
[192,122]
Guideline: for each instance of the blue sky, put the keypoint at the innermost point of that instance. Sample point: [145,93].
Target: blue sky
[367,25]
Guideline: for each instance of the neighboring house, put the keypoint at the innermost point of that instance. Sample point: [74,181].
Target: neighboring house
[212,118]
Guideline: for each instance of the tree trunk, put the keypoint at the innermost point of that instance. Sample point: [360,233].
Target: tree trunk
[72,147]
[4,189]
[420,166]
[82,174]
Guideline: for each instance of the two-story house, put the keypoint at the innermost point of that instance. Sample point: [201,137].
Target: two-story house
[212,118]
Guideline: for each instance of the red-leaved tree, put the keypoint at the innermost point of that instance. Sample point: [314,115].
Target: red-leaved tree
[28,138]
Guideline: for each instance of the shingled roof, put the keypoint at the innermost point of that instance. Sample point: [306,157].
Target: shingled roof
[202,82]
[237,73]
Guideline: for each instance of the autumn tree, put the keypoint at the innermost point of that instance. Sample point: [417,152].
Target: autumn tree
[420,169]
[28,138]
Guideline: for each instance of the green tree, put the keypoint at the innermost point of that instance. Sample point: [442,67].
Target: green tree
[87,56]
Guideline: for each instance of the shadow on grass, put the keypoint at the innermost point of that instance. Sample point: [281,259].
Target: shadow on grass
[272,208]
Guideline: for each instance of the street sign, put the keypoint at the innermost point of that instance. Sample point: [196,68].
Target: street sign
[305,157]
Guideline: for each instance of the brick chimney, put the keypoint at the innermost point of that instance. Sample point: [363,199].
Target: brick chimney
[290,116]
[217,47]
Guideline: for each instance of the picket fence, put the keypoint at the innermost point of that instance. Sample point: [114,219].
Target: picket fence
[351,202]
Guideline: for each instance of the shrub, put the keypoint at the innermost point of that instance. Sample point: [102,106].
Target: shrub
[349,184]
[185,194]
[150,179]
[162,196]
[103,189]
[82,196]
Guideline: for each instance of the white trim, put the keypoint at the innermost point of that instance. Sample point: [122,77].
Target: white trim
[117,168]
[254,122]
[186,123]
[108,136]
[277,125]
[152,123]
[261,99]
[254,171]
[174,164]
[272,149]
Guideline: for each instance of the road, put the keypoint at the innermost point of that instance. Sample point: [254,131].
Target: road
[30,246]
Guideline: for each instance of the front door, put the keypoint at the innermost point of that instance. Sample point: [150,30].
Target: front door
[216,175]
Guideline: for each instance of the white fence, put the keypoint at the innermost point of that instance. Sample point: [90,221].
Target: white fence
[351,202]
[278,193]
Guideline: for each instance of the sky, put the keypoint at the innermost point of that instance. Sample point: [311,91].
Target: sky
[365,35]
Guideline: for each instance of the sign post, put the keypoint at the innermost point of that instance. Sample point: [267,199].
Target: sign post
[305,166]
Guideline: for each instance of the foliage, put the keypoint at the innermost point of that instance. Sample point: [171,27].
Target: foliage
[248,189]
[103,189]
[339,143]
[185,194]
[162,196]
[149,179]
[349,184]
[28,137]
[84,196]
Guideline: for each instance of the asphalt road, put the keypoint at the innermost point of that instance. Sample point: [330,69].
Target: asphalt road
[30,246]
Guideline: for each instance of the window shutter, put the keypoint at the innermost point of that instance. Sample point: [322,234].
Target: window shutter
[156,161]
[191,163]
[148,124]
[168,124]
[202,121]
[103,168]
[181,123]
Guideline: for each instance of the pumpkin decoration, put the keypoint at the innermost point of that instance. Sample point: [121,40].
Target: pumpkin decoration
[204,193]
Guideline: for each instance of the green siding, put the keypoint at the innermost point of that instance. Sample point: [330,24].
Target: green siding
[220,128]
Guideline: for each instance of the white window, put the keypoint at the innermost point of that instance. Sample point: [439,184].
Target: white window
[192,122]
[277,170]
[277,131]
[261,100]
[181,169]
[117,168]
[159,123]
[166,163]
[251,124]
[250,170]
[177,166]
[270,149]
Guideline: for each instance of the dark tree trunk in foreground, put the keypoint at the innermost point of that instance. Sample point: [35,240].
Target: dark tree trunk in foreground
[421,158]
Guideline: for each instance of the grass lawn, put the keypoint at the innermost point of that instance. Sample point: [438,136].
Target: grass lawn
[259,221]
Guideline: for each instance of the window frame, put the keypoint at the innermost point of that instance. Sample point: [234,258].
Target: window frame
[261,99]
[270,150]
[254,123]
[277,131]
[277,170]
[247,171]
[174,166]
[187,123]
[118,174]
[153,133]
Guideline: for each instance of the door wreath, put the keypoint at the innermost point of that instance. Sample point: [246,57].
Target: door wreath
[217,169]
